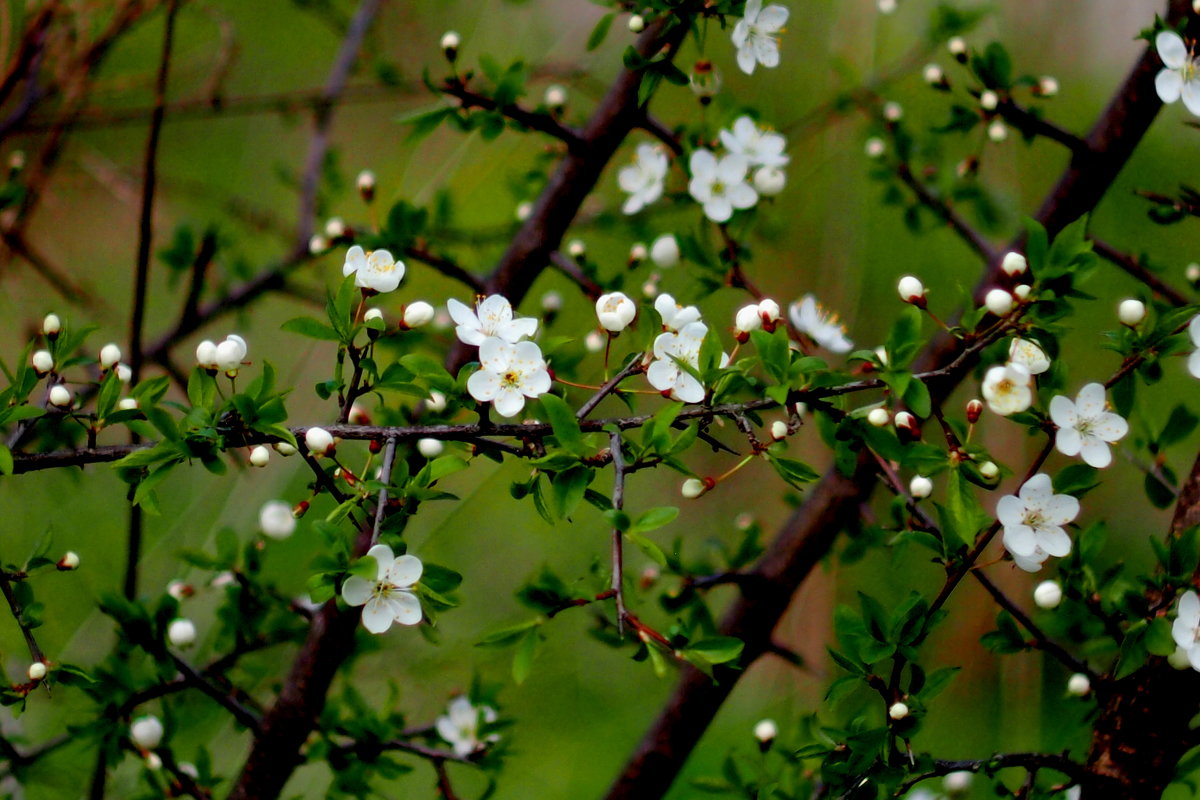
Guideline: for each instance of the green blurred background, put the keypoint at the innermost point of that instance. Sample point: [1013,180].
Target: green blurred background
[585,706]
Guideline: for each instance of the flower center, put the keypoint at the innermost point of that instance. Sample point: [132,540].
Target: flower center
[718,187]
[511,379]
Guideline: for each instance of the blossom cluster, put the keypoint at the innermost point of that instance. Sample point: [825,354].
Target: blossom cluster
[511,368]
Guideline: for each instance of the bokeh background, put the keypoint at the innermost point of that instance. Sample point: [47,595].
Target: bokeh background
[585,706]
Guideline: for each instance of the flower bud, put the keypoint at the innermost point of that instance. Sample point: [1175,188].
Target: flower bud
[110,354]
[124,373]
[335,228]
[418,314]
[358,415]
[989,470]
[189,769]
[127,404]
[892,111]
[886,6]
[318,441]
[779,430]
[1047,86]
[430,448]
[576,249]
[260,456]
[898,711]
[920,487]
[693,488]
[769,181]
[768,311]
[372,314]
[958,48]
[436,401]
[1078,685]
[650,287]
[230,354]
[912,290]
[51,325]
[974,410]
[997,131]
[637,254]
[60,396]
[665,251]
[1047,594]
[934,76]
[68,562]
[594,342]
[206,354]
[1131,312]
[449,44]
[181,632]
[999,301]
[37,671]
[318,244]
[875,147]
[637,23]
[179,590]
[765,732]
[366,185]
[1014,264]
[988,100]
[1022,292]
[615,311]
[552,302]
[879,417]
[276,519]
[746,320]
[523,211]
[556,97]
[958,783]
[1192,273]
[153,762]
[146,732]
[705,81]
[905,421]
[42,362]
[284,449]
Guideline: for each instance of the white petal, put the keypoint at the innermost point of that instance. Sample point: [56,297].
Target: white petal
[1191,96]
[772,18]
[509,402]
[1110,427]
[1194,364]
[1169,85]
[1010,510]
[688,389]
[383,557]
[1068,441]
[1095,452]
[732,169]
[406,571]
[1020,540]
[1060,509]
[745,57]
[1054,541]
[461,313]
[1189,608]
[1062,411]
[741,32]
[518,329]
[356,591]
[1029,563]
[406,608]
[1036,489]
[536,383]
[496,309]
[1194,657]
[447,730]
[495,354]
[483,385]
[1194,330]
[1184,634]
[703,164]
[377,615]
[1089,403]
[629,178]
[527,352]
[753,8]
[766,50]
[742,196]
[661,374]
[718,209]
[355,259]
[1171,49]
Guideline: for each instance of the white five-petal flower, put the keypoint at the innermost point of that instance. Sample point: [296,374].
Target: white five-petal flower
[1186,628]
[759,146]
[378,271]
[1033,520]
[390,597]
[720,185]
[823,327]
[1029,355]
[492,316]
[1085,428]
[756,35]
[459,726]
[1180,76]
[643,179]
[508,373]
[665,372]
[1008,389]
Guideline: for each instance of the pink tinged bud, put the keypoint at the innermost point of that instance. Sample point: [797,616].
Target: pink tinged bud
[51,325]
[358,415]
[999,302]
[1014,264]
[319,441]
[418,314]
[449,44]
[974,411]
[180,590]
[958,48]
[260,456]
[556,97]
[366,185]
[60,396]
[638,253]
[110,354]
[906,421]
[594,342]
[318,244]
[37,671]
[43,362]
[69,561]
[335,228]
[576,249]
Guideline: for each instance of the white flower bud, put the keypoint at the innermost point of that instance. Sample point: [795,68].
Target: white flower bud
[366,184]
[769,181]
[1192,273]
[879,417]
[997,131]
[1014,264]
[958,783]
[153,762]
[665,251]
[1078,685]
[276,520]
[882,354]
[284,449]
[552,302]
[206,354]
[1047,86]
[60,396]
[1022,291]
[42,361]
[127,404]
[898,711]
[430,448]
[450,42]
[335,228]
[1131,312]
[373,313]
[779,430]
[765,731]
[594,342]
[920,487]
[998,301]
[260,456]
[1047,594]
[181,632]
[637,23]
[692,488]
[179,590]
[933,75]
[988,100]
[68,562]
[957,47]
[556,96]
[576,249]
[989,470]
[523,211]
[37,671]
[229,355]
[110,354]
[875,147]
[436,401]
[911,289]
[650,288]
[638,253]
[615,311]
[418,314]
[886,6]
[747,319]
[189,769]
[318,244]
[51,325]
[892,111]
[124,373]
[318,441]
[146,732]
[906,421]
[768,309]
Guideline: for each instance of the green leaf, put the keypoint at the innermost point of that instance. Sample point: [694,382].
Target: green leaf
[565,424]
[794,472]
[312,328]
[509,635]
[6,460]
[523,659]
[654,519]
[600,32]
[652,550]
[568,489]
[1159,640]
[1133,651]
[716,649]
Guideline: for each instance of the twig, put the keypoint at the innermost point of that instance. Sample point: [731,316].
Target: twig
[35,652]
[1136,269]
[243,715]
[445,266]
[569,267]
[543,123]
[1028,122]
[982,247]
[1059,763]
[385,477]
[632,368]
[618,559]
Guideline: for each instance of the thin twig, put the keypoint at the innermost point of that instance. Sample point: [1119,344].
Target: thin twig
[618,558]
[1137,270]
[385,477]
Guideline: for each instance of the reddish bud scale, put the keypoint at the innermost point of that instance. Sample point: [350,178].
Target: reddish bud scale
[741,337]
[769,325]
[300,509]
[974,411]
[375,446]
[708,483]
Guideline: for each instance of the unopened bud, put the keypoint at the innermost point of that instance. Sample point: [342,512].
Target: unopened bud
[260,456]
[998,301]
[637,254]
[430,448]
[594,342]
[206,354]
[693,488]
[37,671]
[300,509]
[875,147]
[988,100]
[958,48]
[958,783]
[51,325]
[1022,291]
[1078,685]
[997,131]
[552,302]
[779,430]
[892,111]
[765,732]
[42,362]
[898,711]
[418,314]
[1014,264]
[373,314]
[523,211]
[637,23]
[974,410]
[879,417]
[1047,594]
[436,402]
[284,449]
[366,185]
[127,404]
[124,373]
[179,590]
[905,421]
[449,44]
[935,77]
[912,290]
[664,252]
[358,415]
[1131,312]
[1047,86]
[146,732]
[989,470]
[335,228]
[68,562]
[556,97]
[181,633]
[920,487]
[1192,273]
[110,354]
[60,396]
[318,244]
[576,249]
[319,441]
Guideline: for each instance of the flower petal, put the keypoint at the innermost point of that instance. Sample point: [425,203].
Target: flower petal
[687,388]
[1184,634]
[1068,441]
[1110,427]
[1189,608]
[508,402]
[1194,657]
[355,259]
[766,50]
[1062,411]
[1191,96]
[772,18]
[377,615]
[1010,510]
[1089,403]
[1037,489]
[718,209]
[1194,330]
[732,169]
[384,557]
[405,571]
[661,374]
[703,164]
[745,57]
[483,385]
[495,354]
[742,196]
[536,383]
[1060,509]
[1194,364]
[356,591]
[1020,540]
[1054,540]
[1169,85]
[1171,49]
[406,608]
[1095,452]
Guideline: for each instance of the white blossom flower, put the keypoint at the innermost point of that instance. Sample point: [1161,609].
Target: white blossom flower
[230,353]
[674,316]
[508,373]
[1179,77]
[665,372]
[615,311]
[492,316]
[1007,389]
[720,185]
[810,318]
[1034,518]
[1084,427]
[756,35]
[643,179]
[418,314]
[389,598]
[379,271]
[459,726]
[766,730]
[276,519]
[1031,563]
[1029,355]
[1047,86]
[124,373]
[181,632]
[146,732]
[1186,628]
[1194,358]
[664,251]
[760,147]
[555,96]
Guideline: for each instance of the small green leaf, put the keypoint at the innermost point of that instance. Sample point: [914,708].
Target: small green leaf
[600,32]
[523,658]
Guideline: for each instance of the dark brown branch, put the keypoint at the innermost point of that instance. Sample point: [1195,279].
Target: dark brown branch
[445,266]
[543,123]
[1028,122]
[1138,271]
[243,715]
[982,247]
[569,267]
[1030,761]
[35,652]
[618,559]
